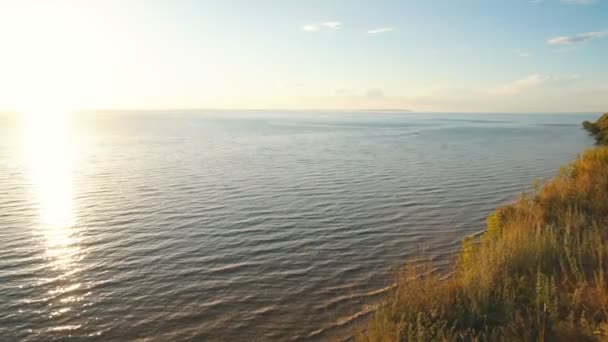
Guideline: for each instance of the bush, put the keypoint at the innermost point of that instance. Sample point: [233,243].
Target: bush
[598,129]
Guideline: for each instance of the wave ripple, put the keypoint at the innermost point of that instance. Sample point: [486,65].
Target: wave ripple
[240,226]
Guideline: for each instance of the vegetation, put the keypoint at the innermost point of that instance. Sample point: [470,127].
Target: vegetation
[598,129]
[539,273]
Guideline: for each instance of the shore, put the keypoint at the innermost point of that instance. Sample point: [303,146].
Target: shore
[538,273]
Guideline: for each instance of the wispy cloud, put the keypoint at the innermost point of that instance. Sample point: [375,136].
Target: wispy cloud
[530,82]
[381,30]
[310,28]
[579,2]
[528,94]
[328,25]
[332,25]
[522,84]
[579,38]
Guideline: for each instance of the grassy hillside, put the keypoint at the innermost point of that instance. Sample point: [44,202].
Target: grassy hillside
[539,273]
[598,129]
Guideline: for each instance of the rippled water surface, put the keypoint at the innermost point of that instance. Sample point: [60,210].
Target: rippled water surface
[243,226]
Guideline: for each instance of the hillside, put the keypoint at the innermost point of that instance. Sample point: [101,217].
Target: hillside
[539,272]
[598,129]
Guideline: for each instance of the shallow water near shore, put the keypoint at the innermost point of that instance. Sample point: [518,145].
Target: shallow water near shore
[244,225]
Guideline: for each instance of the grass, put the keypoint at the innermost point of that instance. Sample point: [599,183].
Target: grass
[539,273]
[598,129]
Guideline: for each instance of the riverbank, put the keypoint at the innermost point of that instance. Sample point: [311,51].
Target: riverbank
[540,272]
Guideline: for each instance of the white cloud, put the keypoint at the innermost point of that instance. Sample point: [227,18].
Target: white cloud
[579,2]
[522,53]
[332,25]
[530,82]
[579,38]
[523,84]
[380,30]
[534,93]
[328,25]
[310,28]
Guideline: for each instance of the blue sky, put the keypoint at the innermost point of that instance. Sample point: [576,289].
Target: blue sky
[464,56]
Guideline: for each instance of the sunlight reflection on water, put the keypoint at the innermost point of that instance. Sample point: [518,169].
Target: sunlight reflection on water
[49,153]
[195,226]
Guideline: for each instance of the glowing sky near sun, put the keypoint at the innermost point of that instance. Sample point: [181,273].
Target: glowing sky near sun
[520,55]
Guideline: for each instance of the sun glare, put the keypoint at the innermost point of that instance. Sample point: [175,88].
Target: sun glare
[50,57]
[49,152]
[49,156]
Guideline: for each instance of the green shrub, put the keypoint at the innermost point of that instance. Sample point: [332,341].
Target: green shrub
[598,129]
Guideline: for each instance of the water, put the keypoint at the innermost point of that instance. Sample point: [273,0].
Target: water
[244,226]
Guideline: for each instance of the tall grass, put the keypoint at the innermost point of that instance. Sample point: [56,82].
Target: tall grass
[539,273]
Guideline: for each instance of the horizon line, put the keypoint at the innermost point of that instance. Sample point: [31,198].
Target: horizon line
[329,110]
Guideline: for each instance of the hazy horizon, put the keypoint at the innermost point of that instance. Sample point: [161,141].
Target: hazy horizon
[311,110]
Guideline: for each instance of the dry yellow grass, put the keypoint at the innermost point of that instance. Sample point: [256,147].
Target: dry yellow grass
[539,273]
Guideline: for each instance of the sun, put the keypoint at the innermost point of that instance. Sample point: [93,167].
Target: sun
[47,59]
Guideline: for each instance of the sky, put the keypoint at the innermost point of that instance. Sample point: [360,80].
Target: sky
[438,56]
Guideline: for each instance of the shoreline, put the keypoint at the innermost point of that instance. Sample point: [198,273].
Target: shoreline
[537,272]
